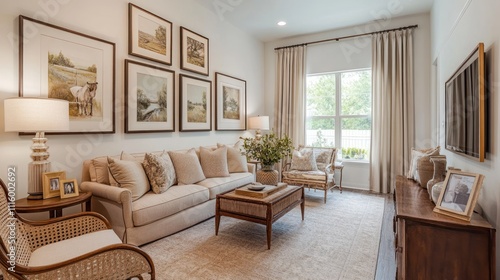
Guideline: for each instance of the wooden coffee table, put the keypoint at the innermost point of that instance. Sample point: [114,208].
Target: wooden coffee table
[259,210]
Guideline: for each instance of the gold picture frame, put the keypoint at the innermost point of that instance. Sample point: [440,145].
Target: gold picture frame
[69,188]
[459,194]
[52,183]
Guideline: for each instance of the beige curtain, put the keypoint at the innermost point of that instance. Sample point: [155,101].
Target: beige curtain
[289,116]
[393,112]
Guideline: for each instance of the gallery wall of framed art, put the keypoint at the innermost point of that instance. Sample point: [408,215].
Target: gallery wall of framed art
[81,69]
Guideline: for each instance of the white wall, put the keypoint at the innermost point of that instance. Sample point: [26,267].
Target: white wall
[232,52]
[457,29]
[354,53]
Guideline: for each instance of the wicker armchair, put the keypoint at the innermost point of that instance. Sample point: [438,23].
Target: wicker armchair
[322,179]
[79,246]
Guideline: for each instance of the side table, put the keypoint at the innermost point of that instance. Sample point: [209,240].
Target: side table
[53,205]
[339,166]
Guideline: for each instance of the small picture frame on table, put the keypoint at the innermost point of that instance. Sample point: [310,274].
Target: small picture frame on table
[52,183]
[69,188]
[459,194]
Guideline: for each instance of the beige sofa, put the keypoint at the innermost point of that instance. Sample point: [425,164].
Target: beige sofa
[139,219]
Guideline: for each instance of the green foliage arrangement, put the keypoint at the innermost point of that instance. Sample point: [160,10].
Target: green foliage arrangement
[269,149]
[354,153]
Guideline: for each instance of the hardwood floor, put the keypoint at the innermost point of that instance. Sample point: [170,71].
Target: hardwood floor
[386,262]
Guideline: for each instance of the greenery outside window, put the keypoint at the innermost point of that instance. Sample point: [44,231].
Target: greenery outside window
[338,112]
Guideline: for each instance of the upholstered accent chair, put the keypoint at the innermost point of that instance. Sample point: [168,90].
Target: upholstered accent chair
[312,167]
[79,246]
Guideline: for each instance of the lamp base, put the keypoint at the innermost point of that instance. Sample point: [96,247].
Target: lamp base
[35,181]
[33,196]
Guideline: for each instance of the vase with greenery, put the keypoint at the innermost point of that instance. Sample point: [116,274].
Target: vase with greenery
[268,150]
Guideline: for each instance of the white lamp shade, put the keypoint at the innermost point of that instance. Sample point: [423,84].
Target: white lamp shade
[260,122]
[25,114]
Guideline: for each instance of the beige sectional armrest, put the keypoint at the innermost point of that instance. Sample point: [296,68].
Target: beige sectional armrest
[114,203]
[119,195]
[251,168]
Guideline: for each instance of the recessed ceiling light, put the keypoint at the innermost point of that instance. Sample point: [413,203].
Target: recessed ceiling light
[281,23]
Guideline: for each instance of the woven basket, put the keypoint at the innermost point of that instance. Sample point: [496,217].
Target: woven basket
[268,177]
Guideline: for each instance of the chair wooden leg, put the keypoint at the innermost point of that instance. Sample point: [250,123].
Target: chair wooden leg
[326,192]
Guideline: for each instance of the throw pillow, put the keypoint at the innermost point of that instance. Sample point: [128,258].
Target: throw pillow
[129,175]
[236,162]
[98,170]
[415,156]
[160,171]
[324,156]
[187,167]
[303,160]
[214,162]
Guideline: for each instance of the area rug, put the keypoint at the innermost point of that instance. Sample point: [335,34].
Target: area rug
[337,240]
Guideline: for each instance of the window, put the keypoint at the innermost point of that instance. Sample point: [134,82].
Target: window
[338,106]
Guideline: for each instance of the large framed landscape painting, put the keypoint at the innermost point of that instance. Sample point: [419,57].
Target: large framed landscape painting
[149,36]
[230,103]
[195,103]
[194,52]
[149,98]
[56,62]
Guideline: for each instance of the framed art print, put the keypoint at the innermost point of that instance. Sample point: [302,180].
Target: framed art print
[52,183]
[195,103]
[149,36]
[459,194]
[56,62]
[230,103]
[194,52]
[149,98]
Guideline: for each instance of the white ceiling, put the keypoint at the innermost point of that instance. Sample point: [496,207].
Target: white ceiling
[259,17]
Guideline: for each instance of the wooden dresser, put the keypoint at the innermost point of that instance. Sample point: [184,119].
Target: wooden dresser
[434,246]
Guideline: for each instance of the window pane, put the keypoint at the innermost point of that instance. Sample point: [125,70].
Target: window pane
[320,95]
[356,93]
[320,132]
[356,134]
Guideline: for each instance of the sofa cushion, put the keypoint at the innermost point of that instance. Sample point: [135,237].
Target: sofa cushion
[187,167]
[220,185]
[214,162]
[99,171]
[236,162]
[307,175]
[58,252]
[152,207]
[129,175]
[303,160]
[160,171]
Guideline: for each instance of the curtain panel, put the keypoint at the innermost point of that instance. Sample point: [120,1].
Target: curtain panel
[289,116]
[392,108]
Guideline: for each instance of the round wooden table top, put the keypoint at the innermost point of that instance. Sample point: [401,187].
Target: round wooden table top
[39,205]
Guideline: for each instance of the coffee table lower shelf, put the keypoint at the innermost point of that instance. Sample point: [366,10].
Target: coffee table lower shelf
[263,211]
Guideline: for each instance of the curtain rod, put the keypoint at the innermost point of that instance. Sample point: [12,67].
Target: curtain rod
[347,37]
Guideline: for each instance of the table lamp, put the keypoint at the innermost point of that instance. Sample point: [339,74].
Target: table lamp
[39,115]
[258,123]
